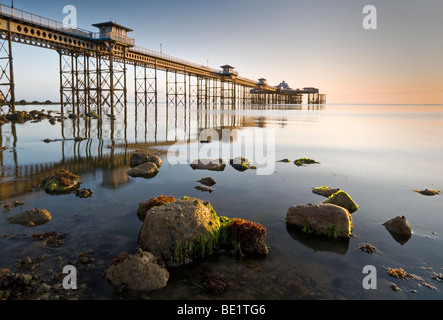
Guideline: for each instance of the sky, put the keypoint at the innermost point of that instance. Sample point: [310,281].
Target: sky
[316,43]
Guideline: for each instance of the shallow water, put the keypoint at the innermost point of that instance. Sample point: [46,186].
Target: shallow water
[378,154]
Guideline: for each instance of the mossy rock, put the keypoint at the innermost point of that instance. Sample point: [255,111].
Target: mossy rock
[325,191]
[241,164]
[343,200]
[428,192]
[321,219]
[180,232]
[303,161]
[62,182]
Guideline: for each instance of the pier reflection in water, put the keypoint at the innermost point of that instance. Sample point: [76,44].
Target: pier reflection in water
[83,143]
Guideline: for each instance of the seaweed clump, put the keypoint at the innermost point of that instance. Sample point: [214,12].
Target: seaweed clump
[50,239]
[247,236]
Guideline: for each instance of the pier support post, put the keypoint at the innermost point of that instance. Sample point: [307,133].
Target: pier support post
[7,88]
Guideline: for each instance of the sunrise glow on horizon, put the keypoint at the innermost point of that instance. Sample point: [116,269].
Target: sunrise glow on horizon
[318,44]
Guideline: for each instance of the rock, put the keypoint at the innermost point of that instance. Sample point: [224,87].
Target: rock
[325,191]
[343,199]
[428,192]
[326,219]
[399,225]
[204,189]
[143,207]
[366,247]
[140,158]
[137,272]
[180,231]
[62,182]
[83,193]
[31,218]
[240,164]
[209,164]
[284,160]
[301,162]
[208,181]
[145,170]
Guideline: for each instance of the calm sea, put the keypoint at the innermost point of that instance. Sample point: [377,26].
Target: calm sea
[378,154]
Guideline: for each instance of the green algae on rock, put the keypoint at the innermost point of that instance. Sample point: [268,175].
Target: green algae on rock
[343,199]
[62,182]
[182,231]
[428,192]
[303,161]
[241,164]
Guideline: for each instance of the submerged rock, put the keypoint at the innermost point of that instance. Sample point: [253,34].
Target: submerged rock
[301,162]
[143,207]
[204,189]
[145,170]
[137,272]
[399,225]
[325,191]
[326,219]
[62,182]
[208,181]
[31,218]
[209,164]
[343,199]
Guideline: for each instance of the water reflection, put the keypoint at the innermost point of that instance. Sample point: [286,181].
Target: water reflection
[319,243]
[85,144]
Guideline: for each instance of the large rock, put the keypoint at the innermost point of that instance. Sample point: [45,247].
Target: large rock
[180,231]
[326,219]
[342,199]
[209,164]
[62,182]
[31,218]
[137,272]
[140,158]
[145,170]
[399,225]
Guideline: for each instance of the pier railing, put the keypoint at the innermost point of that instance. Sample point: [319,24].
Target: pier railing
[26,17]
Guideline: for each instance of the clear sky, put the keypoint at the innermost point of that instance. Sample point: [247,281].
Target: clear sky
[320,43]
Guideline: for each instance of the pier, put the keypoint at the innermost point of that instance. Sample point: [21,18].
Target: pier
[93,70]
